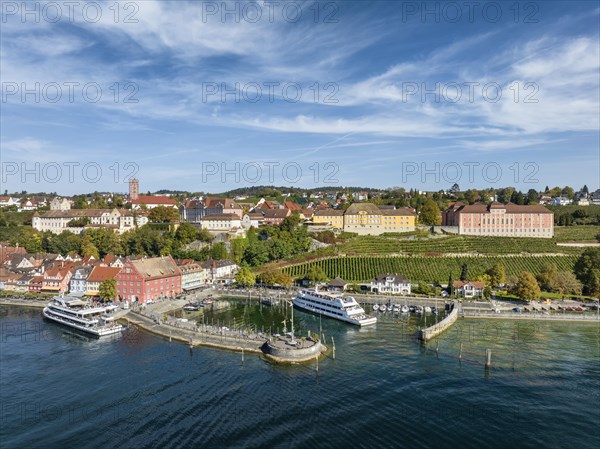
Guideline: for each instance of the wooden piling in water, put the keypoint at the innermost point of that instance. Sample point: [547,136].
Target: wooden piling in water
[488,358]
[333,347]
[460,352]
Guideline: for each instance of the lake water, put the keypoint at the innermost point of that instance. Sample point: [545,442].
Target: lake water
[385,389]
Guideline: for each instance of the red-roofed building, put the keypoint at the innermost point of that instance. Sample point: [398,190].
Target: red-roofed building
[468,289]
[149,279]
[98,275]
[36,283]
[152,201]
[276,216]
[56,279]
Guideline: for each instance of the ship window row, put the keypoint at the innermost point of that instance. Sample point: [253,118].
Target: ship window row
[327,310]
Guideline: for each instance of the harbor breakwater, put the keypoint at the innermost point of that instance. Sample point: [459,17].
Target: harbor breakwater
[275,348]
[430,332]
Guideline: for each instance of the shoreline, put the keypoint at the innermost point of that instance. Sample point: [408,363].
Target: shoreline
[37,304]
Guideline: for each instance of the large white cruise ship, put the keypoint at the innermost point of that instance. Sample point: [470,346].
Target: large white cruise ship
[333,306]
[73,312]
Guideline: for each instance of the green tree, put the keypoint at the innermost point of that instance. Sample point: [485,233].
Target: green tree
[423,288]
[276,277]
[497,274]
[464,272]
[450,287]
[532,196]
[186,233]
[291,222]
[108,289]
[30,239]
[237,248]
[487,293]
[316,274]
[88,248]
[205,236]
[587,270]
[163,214]
[105,240]
[567,284]
[219,251]
[547,277]
[245,276]
[430,213]
[527,287]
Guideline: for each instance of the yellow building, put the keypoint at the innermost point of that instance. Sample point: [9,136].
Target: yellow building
[368,219]
[329,217]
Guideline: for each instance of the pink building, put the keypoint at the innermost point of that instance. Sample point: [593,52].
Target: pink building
[496,219]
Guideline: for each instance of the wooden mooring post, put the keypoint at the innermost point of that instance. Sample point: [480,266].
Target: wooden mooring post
[333,347]
[460,352]
[242,356]
[488,358]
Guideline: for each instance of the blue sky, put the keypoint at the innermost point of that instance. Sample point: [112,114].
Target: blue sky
[347,106]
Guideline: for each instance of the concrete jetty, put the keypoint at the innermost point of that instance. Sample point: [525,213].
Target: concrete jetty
[277,349]
[433,331]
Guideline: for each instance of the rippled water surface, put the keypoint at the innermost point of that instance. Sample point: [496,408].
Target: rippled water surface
[385,389]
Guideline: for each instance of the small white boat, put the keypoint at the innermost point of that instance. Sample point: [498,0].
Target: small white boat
[427,309]
[405,309]
[419,309]
[396,309]
[382,308]
[375,307]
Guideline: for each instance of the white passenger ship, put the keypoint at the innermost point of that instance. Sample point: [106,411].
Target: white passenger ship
[333,306]
[73,312]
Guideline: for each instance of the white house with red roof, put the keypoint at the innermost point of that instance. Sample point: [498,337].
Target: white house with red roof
[152,201]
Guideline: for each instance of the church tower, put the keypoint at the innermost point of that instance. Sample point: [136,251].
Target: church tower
[134,189]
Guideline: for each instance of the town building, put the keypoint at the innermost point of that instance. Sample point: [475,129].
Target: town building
[36,283]
[60,204]
[56,279]
[97,276]
[367,218]
[337,285]
[221,222]
[275,216]
[8,201]
[193,276]
[78,282]
[194,210]
[496,219]
[333,218]
[252,220]
[468,289]
[57,221]
[148,279]
[152,201]
[8,279]
[220,271]
[560,201]
[391,283]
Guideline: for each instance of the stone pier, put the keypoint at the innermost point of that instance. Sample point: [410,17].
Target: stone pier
[433,331]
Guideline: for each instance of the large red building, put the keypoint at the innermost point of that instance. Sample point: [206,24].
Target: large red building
[148,279]
[505,220]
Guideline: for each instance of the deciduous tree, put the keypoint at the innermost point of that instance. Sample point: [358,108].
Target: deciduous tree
[527,287]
